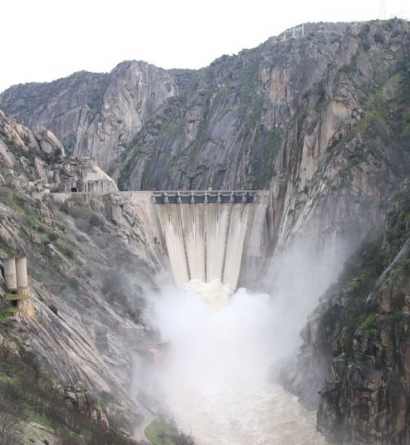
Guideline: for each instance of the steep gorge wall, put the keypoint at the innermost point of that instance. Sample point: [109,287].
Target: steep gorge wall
[221,125]
[355,357]
[91,263]
[93,115]
[345,145]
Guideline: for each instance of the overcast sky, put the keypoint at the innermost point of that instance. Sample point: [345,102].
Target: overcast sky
[43,40]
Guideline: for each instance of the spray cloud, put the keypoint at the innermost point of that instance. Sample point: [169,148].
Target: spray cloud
[215,376]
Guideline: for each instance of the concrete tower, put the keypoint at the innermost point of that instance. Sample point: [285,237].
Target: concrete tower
[10,273]
[21,270]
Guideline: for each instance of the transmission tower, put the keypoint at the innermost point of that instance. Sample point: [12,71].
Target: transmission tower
[382,14]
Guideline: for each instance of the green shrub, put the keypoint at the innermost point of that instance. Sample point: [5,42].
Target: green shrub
[67,251]
[159,432]
[74,283]
[52,236]
[94,221]
[378,37]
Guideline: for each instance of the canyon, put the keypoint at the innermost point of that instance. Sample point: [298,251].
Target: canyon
[320,122]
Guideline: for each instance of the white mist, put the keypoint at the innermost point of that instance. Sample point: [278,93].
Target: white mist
[215,375]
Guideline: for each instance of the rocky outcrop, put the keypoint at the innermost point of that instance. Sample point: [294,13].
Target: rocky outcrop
[18,139]
[84,402]
[44,159]
[90,270]
[79,175]
[356,345]
[48,142]
[93,115]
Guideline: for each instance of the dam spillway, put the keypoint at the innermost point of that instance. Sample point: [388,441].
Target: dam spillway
[208,233]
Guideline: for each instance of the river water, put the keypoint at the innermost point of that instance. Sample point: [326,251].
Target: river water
[236,415]
[214,377]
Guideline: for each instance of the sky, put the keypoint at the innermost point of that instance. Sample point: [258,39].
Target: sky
[43,40]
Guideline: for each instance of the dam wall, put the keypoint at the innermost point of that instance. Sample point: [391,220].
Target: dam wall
[209,235]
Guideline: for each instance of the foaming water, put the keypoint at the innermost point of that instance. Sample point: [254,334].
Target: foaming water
[221,345]
[234,415]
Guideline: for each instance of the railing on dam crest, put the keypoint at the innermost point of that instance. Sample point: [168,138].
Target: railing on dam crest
[205,197]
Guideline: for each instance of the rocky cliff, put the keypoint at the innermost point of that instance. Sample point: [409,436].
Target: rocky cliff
[91,264]
[355,355]
[354,352]
[94,115]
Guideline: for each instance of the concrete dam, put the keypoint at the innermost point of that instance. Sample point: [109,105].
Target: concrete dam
[210,234]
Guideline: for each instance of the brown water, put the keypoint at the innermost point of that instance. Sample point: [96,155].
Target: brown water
[238,415]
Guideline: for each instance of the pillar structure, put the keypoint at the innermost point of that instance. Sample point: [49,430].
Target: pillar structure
[21,269]
[10,273]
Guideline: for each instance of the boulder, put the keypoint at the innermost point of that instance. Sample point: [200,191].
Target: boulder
[49,142]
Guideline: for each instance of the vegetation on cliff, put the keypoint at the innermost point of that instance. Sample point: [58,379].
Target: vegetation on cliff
[32,406]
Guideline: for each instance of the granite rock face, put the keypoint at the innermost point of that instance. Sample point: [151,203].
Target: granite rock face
[224,125]
[48,142]
[94,115]
[354,361]
[84,402]
[90,272]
